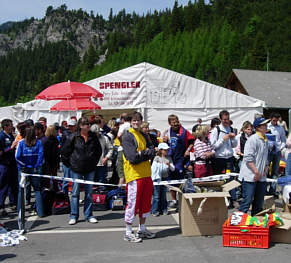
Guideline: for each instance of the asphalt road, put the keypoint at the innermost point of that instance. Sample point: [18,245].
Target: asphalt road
[51,239]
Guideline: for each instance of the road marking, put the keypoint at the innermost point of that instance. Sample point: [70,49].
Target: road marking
[98,230]
[30,221]
[176,217]
[32,218]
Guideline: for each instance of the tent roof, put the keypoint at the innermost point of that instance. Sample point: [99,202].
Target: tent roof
[273,87]
[182,91]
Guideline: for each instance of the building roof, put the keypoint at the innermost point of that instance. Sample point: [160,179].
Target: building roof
[273,87]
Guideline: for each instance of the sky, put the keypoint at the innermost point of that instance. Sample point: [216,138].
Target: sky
[18,10]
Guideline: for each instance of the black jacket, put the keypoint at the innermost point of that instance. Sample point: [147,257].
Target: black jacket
[51,154]
[82,157]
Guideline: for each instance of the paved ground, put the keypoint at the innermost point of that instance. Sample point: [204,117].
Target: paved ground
[51,239]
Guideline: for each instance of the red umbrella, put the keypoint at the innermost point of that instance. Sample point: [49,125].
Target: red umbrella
[68,90]
[75,104]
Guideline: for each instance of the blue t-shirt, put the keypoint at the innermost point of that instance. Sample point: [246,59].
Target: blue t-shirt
[177,148]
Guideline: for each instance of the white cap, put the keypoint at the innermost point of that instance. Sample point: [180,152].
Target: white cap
[95,128]
[72,122]
[163,146]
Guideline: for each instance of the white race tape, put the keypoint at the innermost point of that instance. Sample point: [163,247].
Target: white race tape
[268,180]
[170,182]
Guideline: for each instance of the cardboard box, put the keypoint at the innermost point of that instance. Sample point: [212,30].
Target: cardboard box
[286,207]
[203,213]
[269,202]
[282,234]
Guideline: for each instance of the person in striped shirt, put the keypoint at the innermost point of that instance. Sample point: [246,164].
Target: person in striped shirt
[203,152]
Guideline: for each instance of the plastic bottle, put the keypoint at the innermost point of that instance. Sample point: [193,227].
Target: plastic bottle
[228,168]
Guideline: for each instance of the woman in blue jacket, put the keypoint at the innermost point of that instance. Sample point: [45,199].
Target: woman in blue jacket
[29,157]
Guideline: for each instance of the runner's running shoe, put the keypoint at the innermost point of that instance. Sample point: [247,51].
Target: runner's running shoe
[132,238]
[145,234]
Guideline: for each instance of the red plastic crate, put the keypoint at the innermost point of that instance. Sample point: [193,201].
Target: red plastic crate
[250,236]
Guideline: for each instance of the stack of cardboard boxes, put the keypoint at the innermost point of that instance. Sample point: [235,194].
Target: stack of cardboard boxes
[203,214]
[282,234]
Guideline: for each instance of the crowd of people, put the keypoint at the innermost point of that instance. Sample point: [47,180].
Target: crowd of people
[89,148]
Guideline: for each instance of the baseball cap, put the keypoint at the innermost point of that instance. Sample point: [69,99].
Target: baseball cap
[163,146]
[260,121]
[72,122]
[95,128]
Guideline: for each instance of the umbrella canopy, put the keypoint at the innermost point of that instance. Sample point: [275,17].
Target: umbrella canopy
[75,104]
[68,90]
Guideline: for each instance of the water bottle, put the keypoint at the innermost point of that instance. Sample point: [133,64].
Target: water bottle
[228,168]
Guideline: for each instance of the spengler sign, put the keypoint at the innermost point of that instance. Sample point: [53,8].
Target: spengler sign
[122,94]
[120,85]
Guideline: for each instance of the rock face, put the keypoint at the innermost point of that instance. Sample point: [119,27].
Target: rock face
[79,32]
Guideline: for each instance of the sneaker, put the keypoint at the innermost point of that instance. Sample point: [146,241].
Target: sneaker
[72,221]
[173,204]
[145,234]
[166,212]
[132,238]
[156,214]
[92,220]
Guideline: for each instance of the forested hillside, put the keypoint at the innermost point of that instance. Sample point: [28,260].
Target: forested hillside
[201,40]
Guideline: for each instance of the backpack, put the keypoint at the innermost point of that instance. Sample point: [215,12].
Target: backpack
[48,198]
[61,204]
[188,186]
[117,199]
[99,200]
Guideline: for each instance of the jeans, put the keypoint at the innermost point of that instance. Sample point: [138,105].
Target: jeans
[3,184]
[288,165]
[275,159]
[253,193]
[101,174]
[67,174]
[12,185]
[35,182]
[8,185]
[88,206]
[159,204]
[219,167]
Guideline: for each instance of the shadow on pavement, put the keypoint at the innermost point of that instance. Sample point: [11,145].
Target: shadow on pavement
[168,232]
[111,216]
[6,256]
[9,225]
[37,223]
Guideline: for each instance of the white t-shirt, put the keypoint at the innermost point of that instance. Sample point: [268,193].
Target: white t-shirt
[122,128]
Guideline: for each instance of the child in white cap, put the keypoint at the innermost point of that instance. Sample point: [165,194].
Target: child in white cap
[160,167]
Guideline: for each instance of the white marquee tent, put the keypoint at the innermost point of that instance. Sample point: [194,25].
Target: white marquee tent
[156,92]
